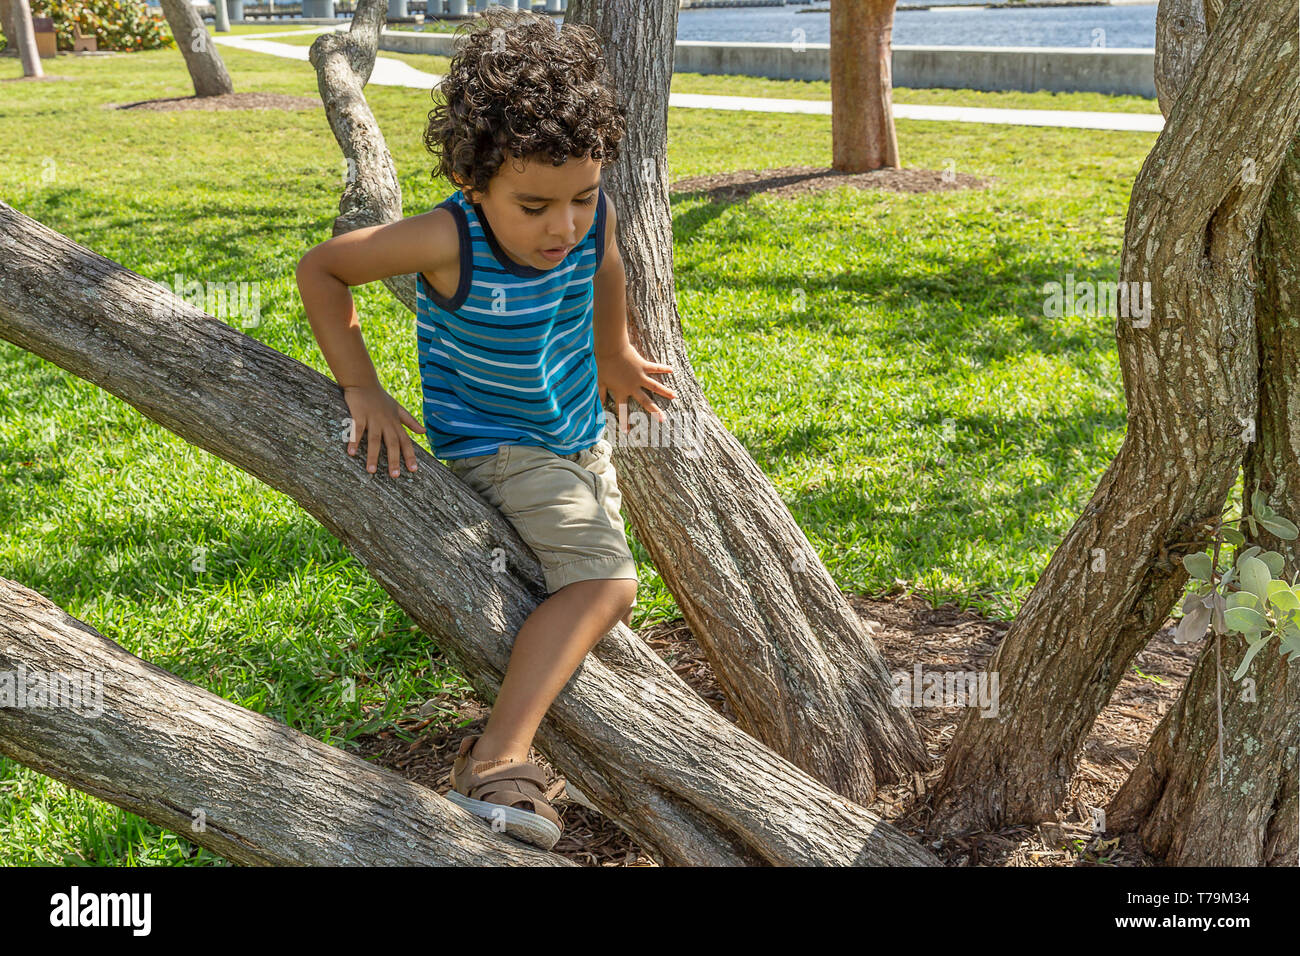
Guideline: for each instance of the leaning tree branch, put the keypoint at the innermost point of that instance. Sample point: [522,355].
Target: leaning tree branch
[243,785]
[1184,814]
[1190,369]
[626,730]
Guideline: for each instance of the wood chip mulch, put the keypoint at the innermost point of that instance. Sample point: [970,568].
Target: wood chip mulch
[226,101]
[906,630]
[790,181]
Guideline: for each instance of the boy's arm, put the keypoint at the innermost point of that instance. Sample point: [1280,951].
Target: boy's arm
[415,244]
[325,274]
[609,287]
[620,368]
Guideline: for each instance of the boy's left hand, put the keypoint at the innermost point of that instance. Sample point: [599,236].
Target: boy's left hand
[623,375]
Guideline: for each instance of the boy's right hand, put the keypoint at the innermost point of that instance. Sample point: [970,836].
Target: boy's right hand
[376,411]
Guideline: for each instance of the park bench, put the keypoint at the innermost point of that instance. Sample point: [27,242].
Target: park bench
[81,42]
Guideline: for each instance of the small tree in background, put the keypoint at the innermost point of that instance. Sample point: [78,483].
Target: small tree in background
[862,91]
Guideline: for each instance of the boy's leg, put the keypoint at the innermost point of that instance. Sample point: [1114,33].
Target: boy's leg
[549,647]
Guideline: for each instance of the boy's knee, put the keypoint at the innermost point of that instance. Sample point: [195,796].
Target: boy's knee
[625,594]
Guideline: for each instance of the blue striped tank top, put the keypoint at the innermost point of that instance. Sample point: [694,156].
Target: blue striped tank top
[508,360]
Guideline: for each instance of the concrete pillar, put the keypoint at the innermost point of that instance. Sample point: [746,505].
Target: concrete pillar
[235,9]
[318,9]
[457,8]
[397,8]
[553,6]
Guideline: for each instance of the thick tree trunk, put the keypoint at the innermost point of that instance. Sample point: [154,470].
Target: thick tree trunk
[1190,369]
[1174,798]
[792,656]
[207,71]
[24,38]
[241,784]
[647,751]
[862,90]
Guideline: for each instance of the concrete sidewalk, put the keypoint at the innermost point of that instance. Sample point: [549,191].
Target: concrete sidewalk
[390,72]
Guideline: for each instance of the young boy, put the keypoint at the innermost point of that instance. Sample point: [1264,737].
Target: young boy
[521,330]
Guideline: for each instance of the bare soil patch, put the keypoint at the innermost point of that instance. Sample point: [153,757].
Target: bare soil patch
[226,101]
[907,632]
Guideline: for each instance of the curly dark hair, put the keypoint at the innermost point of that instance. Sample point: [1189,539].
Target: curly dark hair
[521,84]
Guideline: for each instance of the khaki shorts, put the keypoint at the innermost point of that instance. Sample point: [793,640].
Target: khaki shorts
[565,507]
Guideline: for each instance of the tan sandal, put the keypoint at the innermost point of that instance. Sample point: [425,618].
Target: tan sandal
[497,790]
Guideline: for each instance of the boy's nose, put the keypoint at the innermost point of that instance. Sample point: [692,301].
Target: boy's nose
[562,229]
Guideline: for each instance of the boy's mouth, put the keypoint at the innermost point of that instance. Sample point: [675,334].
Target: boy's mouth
[556,254]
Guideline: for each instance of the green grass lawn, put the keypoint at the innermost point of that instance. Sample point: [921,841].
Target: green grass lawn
[884,357]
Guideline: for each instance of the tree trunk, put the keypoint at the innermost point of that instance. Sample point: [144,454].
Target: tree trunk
[207,71]
[9,25]
[792,656]
[1190,369]
[646,750]
[1174,799]
[862,91]
[1180,38]
[24,38]
[241,784]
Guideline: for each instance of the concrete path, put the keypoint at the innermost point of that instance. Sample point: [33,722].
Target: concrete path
[390,72]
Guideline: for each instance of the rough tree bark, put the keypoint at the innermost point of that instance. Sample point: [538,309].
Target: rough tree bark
[792,656]
[1174,799]
[862,90]
[629,733]
[241,784]
[24,38]
[1180,38]
[1190,379]
[207,70]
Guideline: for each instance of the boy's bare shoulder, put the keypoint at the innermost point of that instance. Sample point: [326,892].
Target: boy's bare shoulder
[442,239]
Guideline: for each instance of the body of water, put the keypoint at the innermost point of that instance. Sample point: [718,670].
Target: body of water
[1122,26]
[1102,26]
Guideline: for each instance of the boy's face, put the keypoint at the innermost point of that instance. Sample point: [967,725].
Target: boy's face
[539,212]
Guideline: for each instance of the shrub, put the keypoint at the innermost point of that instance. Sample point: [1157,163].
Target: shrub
[125,25]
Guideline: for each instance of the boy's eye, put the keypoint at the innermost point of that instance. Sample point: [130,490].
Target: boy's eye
[537,211]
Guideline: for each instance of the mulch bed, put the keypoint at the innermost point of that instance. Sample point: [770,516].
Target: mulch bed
[803,180]
[906,630]
[226,101]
